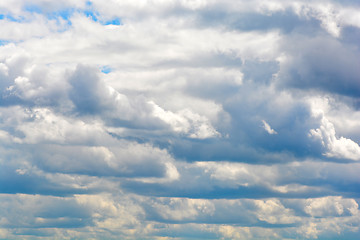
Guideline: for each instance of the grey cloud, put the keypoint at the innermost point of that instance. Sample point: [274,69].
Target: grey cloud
[25,83]
[12,181]
[218,180]
[292,122]
[259,71]
[236,212]
[217,190]
[53,212]
[321,63]
[91,95]
[286,21]
[247,141]
[88,93]
[220,150]
[10,69]
[129,160]
[350,35]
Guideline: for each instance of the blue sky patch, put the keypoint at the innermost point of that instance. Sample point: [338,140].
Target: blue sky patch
[92,15]
[106,69]
[115,21]
[65,14]
[33,9]
[4,42]
[11,18]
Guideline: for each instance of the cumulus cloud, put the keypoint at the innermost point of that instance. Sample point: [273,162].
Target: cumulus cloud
[335,147]
[331,206]
[194,125]
[322,63]
[179,119]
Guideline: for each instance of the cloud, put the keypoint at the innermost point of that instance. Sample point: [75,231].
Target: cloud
[185,121]
[179,119]
[335,147]
[319,63]
[331,206]
[268,128]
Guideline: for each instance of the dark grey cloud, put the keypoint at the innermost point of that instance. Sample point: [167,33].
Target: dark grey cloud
[88,93]
[321,63]
[219,192]
[14,182]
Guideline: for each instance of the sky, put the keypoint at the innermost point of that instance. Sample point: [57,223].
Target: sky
[179,119]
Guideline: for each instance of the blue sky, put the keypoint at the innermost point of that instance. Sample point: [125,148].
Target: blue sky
[181,119]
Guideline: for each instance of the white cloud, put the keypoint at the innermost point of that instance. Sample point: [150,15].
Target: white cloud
[37,27]
[183,209]
[267,128]
[185,121]
[335,147]
[59,129]
[327,14]
[331,206]
[120,214]
[272,211]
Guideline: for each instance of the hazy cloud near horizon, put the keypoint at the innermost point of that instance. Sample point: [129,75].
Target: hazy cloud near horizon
[180,119]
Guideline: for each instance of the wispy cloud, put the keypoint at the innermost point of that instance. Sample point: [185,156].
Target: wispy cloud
[267,128]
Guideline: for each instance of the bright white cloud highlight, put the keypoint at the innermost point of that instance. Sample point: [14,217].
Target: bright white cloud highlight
[185,121]
[336,147]
[267,128]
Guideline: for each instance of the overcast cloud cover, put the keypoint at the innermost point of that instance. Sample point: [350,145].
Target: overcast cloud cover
[179,119]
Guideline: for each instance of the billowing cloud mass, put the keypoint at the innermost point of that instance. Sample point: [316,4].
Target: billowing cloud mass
[179,119]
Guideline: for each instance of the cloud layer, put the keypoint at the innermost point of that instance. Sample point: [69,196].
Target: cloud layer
[179,119]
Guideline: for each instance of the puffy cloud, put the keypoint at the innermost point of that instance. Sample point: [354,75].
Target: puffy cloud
[179,119]
[335,147]
[333,206]
[272,211]
[187,122]
[90,95]
[321,63]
